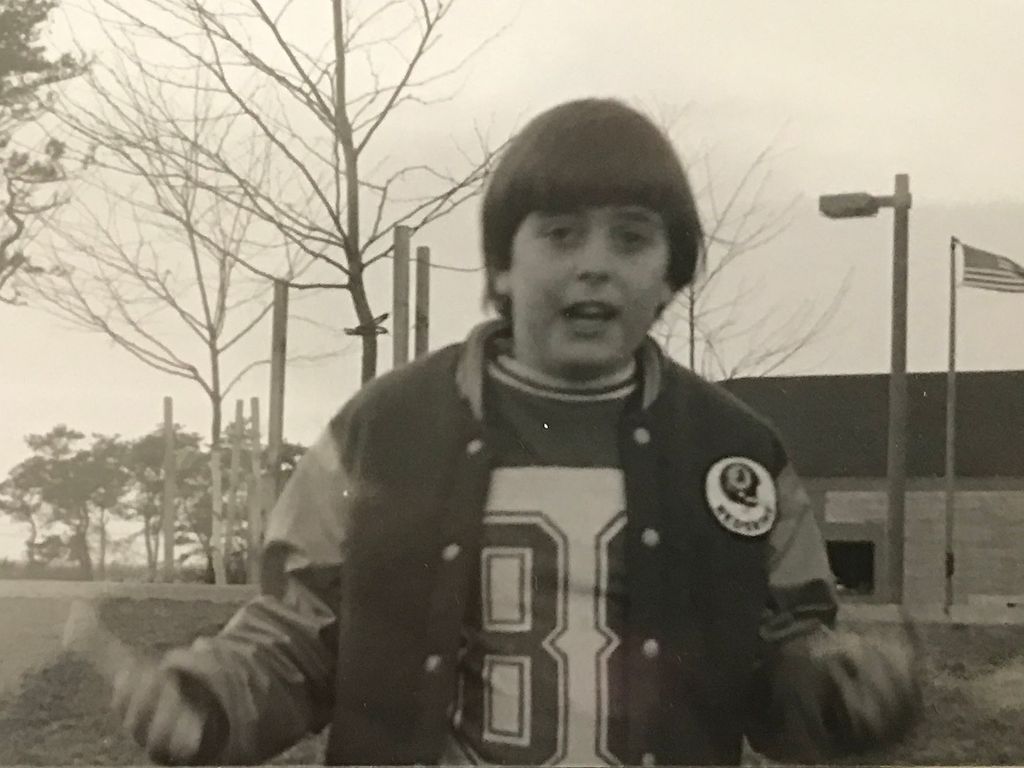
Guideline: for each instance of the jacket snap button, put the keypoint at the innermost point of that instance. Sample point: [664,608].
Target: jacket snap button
[450,552]
[474,446]
[641,436]
[648,759]
[650,537]
[651,648]
[432,663]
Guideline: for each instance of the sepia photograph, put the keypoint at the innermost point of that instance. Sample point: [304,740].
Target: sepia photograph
[511,382]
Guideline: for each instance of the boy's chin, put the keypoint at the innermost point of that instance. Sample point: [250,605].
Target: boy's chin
[585,365]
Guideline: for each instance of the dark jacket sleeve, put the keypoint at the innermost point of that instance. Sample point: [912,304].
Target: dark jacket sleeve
[802,587]
[802,604]
[270,671]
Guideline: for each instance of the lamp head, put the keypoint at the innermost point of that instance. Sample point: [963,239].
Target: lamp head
[848,205]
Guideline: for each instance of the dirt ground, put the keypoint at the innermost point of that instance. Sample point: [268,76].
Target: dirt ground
[51,703]
[33,614]
[30,638]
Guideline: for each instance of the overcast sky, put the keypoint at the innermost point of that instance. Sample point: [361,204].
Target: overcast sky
[847,94]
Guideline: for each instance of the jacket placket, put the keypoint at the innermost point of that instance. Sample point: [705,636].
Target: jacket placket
[460,529]
[645,566]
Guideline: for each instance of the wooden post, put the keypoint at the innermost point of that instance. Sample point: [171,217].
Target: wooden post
[254,495]
[422,328]
[217,512]
[278,355]
[237,430]
[400,297]
[170,490]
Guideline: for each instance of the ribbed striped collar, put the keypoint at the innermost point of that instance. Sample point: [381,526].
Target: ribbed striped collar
[472,365]
[511,372]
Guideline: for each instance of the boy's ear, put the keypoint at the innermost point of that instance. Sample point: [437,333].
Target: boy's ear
[500,283]
[667,294]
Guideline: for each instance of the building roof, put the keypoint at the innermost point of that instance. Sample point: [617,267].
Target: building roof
[836,426]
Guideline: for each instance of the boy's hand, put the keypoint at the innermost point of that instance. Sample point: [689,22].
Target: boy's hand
[838,693]
[872,688]
[167,715]
[154,709]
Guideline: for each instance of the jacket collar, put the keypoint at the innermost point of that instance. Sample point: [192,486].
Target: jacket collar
[472,365]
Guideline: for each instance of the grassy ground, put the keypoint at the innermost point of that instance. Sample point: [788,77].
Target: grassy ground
[116,572]
[974,700]
[974,695]
[61,715]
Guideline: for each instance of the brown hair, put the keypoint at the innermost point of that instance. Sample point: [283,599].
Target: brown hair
[586,153]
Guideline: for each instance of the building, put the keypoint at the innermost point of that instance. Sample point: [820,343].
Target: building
[835,428]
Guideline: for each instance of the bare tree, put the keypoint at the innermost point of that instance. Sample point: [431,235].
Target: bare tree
[723,334]
[321,95]
[149,254]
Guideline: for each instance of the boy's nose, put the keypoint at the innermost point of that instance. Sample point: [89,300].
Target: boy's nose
[593,260]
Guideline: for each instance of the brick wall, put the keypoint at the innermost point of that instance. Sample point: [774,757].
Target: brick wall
[988,535]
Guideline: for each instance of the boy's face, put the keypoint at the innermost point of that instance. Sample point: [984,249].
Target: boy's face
[585,288]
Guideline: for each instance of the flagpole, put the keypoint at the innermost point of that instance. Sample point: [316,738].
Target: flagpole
[951,430]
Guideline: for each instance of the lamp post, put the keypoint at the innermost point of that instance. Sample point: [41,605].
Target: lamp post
[857,205]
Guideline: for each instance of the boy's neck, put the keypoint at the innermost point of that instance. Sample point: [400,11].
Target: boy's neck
[620,376]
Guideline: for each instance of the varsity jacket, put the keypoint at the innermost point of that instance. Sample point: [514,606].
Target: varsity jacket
[371,549]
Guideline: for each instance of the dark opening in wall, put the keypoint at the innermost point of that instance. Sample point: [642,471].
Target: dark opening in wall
[853,563]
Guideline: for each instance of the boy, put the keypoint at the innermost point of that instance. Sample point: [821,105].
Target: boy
[549,544]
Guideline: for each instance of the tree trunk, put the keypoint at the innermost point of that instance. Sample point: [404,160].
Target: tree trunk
[86,563]
[80,547]
[254,492]
[369,369]
[211,571]
[151,538]
[217,511]
[234,478]
[31,542]
[364,316]
[216,491]
[353,252]
[103,544]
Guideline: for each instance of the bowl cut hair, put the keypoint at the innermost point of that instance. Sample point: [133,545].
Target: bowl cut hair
[589,153]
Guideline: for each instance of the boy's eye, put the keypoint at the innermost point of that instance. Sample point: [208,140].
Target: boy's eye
[561,232]
[633,238]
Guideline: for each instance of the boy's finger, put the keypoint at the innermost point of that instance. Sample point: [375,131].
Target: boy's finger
[140,702]
[875,692]
[176,729]
[186,736]
[891,670]
[864,704]
[161,729]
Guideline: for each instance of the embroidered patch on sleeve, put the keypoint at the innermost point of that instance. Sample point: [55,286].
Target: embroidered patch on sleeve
[741,495]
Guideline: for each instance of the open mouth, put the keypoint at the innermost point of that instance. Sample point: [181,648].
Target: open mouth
[590,310]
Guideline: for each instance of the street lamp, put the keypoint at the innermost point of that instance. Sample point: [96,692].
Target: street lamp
[857,205]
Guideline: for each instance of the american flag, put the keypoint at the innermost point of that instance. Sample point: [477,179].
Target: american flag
[995,273]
